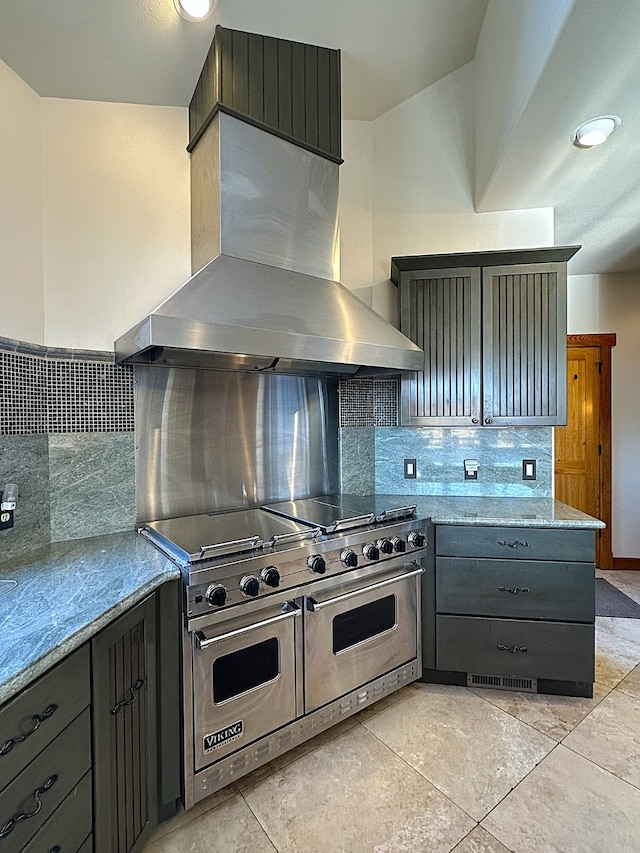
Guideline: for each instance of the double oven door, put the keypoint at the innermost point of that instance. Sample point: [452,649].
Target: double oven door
[255,674]
[245,680]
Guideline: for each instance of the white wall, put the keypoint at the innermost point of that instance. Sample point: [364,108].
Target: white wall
[21,290]
[423,186]
[356,226]
[115,209]
[604,304]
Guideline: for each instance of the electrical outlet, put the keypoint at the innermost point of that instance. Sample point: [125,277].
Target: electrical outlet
[528,469]
[410,469]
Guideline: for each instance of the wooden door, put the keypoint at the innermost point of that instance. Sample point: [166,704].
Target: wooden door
[577,445]
[583,446]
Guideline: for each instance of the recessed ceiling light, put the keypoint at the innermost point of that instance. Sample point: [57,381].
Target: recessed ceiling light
[196,10]
[595,131]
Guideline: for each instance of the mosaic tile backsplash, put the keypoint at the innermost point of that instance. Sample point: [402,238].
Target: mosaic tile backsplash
[59,391]
[66,440]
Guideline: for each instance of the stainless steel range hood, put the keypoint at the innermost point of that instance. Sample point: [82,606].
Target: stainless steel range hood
[239,314]
[265,249]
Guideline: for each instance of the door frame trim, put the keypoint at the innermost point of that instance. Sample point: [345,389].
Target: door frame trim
[604,552]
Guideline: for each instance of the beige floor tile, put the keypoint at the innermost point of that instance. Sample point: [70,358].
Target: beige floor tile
[353,794]
[229,828]
[554,716]
[610,737]
[293,754]
[469,749]
[568,805]
[617,649]
[480,841]
[183,818]
[631,684]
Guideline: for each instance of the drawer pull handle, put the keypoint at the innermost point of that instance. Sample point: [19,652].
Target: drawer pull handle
[37,719]
[56,849]
[512,649]
[11,823]
[132,696]
[515,544]
[515,590]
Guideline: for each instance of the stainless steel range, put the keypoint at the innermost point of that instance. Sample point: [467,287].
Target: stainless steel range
[296,615]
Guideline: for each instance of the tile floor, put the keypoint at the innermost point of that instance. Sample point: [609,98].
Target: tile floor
[437,769]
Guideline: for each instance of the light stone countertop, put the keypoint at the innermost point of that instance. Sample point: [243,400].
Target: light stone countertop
[502,512]
[55,598]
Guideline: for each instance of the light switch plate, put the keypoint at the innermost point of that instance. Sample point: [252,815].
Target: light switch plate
[528,469]
[471,469]
[410,469]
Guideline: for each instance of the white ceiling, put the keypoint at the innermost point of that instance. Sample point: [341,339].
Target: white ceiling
[141,51]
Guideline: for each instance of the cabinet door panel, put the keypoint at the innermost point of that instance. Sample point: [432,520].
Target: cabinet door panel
[524,344]
[511,588]
[125,759]
[440,311]
[33,718]
[515,543]
[557,650]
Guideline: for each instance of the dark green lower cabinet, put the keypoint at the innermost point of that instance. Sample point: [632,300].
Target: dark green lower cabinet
[135,722]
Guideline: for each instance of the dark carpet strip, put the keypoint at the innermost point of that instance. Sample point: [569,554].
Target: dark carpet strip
[611,602]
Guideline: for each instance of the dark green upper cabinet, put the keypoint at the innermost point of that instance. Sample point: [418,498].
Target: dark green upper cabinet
[287,88]
[493,329]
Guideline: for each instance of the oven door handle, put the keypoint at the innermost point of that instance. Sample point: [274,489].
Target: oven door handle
[204,642]
[314,605]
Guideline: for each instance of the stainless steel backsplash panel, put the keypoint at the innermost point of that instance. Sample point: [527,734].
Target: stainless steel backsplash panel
[212,440]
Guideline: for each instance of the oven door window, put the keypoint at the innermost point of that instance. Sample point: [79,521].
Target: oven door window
[363,623]
[245,670]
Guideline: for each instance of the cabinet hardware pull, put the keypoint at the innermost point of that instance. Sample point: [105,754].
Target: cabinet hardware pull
[513,544]
[37,719]
[512,649]
[11,823]
[56,849]
[515,590]
[132,697]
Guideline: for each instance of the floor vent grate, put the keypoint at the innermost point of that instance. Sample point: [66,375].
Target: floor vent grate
[502,682]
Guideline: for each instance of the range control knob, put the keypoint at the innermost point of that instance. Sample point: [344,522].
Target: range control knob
[317,564]
[385,546]
[371,551]
[250,586]
[417,539]
[399,545]
[270,577]
[349,558]
[216,595]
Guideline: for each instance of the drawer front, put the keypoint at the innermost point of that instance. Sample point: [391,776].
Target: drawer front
[87,847]
[540,649]
[515,543]
[513,588]
[70,824]
[47,780]
[33,718]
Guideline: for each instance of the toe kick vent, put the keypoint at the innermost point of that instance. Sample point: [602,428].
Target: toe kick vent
[503,682]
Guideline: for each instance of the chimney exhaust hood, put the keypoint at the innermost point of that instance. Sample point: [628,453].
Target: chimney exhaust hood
[264,224]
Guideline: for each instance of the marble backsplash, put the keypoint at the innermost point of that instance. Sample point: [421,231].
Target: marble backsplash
[373,458]
[70,486]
